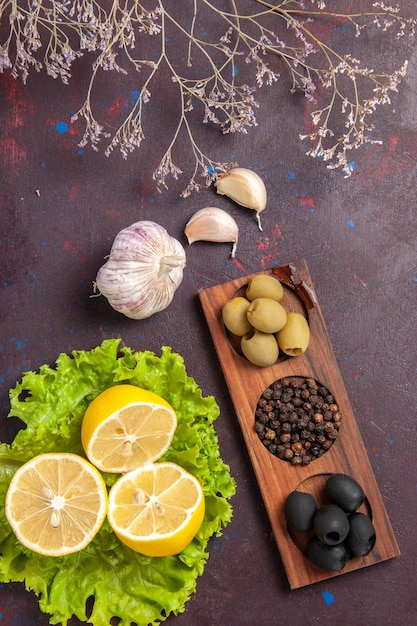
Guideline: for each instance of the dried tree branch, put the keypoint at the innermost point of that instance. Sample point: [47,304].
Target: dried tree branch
[257,34]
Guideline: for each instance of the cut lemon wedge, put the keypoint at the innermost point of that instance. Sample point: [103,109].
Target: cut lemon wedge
[56,503]
[156,510]
[126,427]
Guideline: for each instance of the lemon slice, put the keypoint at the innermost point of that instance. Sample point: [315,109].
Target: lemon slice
[125,427]
[56,503]
[156,510]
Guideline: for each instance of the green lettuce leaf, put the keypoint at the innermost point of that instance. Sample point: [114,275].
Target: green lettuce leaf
[107,577]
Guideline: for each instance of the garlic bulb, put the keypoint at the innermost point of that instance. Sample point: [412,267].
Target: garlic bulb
[212,224]
[244,187]
[144,268]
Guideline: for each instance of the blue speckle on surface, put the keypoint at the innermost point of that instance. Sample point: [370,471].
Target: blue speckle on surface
[351,224]
[291,175]
[352,165]
[134,96]
[80,151]
[18,344]
[328,597]
[61,127]
[343,29]
[211,170]
[43,244]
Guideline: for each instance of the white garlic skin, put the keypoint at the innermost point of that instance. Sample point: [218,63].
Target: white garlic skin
[244,187]
[143,271]
[212,224]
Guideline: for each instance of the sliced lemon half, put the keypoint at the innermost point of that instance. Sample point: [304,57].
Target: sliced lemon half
[156,510]
[126,427]
[56,503]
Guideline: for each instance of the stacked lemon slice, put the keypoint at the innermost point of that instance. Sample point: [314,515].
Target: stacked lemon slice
[57,502]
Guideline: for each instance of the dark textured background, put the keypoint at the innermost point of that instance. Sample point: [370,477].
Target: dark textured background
[358,236]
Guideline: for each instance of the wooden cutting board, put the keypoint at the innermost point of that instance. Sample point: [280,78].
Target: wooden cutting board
[278,478]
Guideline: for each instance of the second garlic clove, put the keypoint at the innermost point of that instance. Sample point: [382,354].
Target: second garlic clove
[212,224]
[244,187]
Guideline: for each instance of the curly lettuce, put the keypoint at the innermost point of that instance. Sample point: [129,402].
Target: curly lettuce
[107,579]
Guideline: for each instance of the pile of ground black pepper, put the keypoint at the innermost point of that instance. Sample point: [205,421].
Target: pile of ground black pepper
[297,419]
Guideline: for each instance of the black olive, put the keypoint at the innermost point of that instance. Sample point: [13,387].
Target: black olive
[329,558]
[331,524]
[361,537]
[299,511]
[345,492]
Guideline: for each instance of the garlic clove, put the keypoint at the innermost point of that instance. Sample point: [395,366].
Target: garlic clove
[212,224]
[244,187]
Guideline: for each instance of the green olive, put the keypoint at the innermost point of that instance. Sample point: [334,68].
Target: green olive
[234,316]
[264,286]
[266,315]
[260,348]
[294,337]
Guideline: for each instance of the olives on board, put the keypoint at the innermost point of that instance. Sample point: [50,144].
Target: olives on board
[260,348]
[338,535]
[294,337]
[264,286]
[326,557]
[234,315]
[259,307]
[331,524]
[344,491]
[361,537]
[299,511]
[266,315]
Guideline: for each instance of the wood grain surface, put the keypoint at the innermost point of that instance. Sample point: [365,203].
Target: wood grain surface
[277,478]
